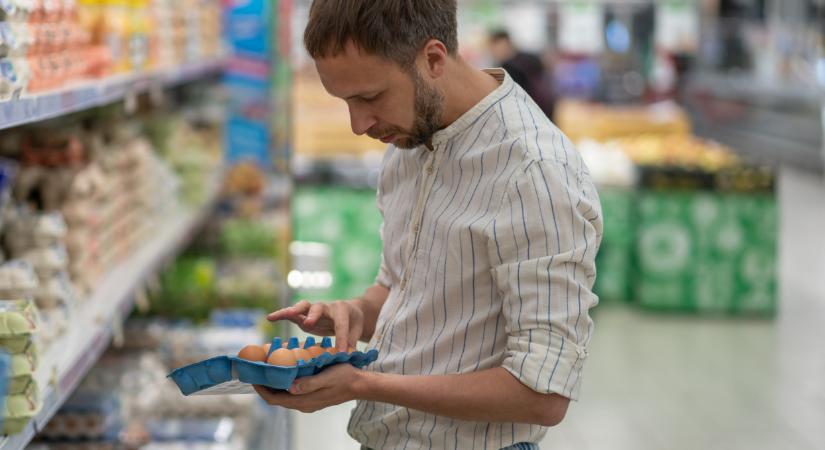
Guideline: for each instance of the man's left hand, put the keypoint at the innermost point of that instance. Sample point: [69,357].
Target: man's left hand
[333,386]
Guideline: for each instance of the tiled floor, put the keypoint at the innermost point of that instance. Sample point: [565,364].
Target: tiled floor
[659,382]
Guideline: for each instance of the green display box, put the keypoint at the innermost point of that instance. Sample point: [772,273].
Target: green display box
[613,263]
[348,220]
[708,252]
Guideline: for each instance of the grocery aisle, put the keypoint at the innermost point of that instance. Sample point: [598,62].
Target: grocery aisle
[682,382]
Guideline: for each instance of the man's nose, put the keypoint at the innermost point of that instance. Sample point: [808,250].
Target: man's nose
[360,120]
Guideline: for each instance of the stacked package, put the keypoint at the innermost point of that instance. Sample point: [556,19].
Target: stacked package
[148,34]
[38,240]
[46,46]
[106,184]
[19,328]
[188,30]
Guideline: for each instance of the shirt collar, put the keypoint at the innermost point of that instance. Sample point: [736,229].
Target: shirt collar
[469,117]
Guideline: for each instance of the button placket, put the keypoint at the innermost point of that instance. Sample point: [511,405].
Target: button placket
[412,246]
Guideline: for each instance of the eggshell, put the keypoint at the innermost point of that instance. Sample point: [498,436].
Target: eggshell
[316,350]
[252,353]
[282,357]
[301,353]
[266,348]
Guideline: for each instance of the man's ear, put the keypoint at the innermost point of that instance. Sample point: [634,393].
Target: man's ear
[432,59]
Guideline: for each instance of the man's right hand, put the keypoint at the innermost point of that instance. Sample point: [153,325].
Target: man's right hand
[342,319]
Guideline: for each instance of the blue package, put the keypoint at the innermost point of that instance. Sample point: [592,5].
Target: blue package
[233,375]
[4,382]
[248,24]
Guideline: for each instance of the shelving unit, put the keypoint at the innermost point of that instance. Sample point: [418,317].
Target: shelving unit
[100,317]
[94,93]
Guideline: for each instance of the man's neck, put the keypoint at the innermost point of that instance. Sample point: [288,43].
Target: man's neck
[463,89]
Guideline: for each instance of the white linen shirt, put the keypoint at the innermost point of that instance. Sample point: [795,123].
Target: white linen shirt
[490,242]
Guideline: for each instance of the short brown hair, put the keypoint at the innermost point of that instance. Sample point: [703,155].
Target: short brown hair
[393,29]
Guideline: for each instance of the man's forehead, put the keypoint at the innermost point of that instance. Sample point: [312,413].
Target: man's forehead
[354,73]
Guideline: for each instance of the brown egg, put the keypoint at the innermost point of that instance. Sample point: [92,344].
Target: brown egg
[316,350]
[282,357]
[301,353]
[252,353]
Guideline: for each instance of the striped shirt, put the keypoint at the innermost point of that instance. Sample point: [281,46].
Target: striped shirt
[490,241]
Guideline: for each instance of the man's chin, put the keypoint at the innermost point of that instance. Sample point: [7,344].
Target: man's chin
[406,143]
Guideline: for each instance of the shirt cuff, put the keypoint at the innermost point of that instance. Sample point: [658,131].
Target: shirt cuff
[545,362]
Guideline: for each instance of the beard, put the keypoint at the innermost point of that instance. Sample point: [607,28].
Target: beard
[429,107]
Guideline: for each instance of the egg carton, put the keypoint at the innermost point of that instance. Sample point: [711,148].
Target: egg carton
[233,375]
[18,317]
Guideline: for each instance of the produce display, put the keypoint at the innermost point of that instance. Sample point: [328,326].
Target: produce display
[688,224]
[580,120]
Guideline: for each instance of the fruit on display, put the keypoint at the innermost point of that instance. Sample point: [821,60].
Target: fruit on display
[678,150]
[579,120]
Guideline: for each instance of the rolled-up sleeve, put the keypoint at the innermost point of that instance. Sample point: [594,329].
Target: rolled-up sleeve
[543,243]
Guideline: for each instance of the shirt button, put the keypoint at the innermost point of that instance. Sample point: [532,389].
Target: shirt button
[416,228]
[430,170]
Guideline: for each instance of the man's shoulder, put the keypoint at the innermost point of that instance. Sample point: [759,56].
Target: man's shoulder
[530,131]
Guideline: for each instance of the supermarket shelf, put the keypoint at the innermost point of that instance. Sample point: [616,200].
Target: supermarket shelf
[93,93]
[102,315]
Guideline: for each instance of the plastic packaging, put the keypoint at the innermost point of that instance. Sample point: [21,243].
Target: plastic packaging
[24,364]
[20,409]
[17,280]
[16,344]
[48,261]
[17,317]
[53,292]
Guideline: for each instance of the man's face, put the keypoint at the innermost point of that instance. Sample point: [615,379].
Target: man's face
[385,101]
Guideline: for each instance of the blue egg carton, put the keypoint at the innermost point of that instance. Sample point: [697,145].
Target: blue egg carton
[233,375]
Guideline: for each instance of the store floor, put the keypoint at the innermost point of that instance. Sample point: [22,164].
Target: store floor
[663,382]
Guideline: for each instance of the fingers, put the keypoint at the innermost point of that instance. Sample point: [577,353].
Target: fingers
[340,314]
[291,313]
[355,330]
[316,311]
[272,397]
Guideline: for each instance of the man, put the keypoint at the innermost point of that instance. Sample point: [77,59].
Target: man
[526,69]
[491,227]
